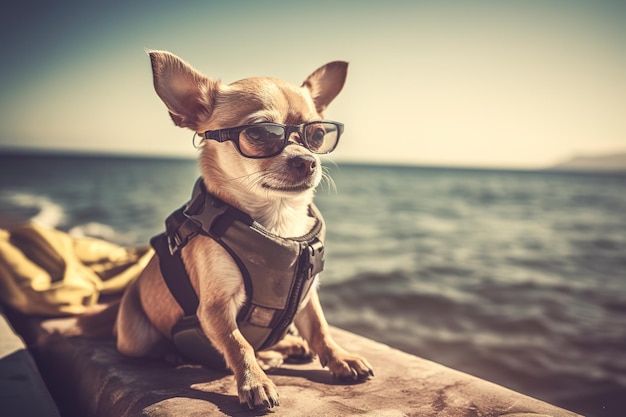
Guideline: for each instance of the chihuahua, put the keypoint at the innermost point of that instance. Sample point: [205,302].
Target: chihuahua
[267,166]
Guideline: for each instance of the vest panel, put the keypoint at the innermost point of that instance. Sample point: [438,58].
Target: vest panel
[274,266]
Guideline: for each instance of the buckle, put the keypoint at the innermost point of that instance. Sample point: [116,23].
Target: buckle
[315,253]
[173,243]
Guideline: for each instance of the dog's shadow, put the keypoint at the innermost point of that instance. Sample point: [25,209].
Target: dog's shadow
[193,382]
[187,400]
[319,376]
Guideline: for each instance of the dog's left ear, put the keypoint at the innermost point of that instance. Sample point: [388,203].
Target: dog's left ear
[326,82]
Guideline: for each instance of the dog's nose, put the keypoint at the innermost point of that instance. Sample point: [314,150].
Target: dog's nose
[302,165]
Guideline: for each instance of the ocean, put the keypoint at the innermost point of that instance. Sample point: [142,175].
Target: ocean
[516,277]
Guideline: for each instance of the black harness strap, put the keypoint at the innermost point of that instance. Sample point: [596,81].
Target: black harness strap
[174,274]
[187,331]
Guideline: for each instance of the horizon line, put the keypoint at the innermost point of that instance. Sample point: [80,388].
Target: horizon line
[64,152]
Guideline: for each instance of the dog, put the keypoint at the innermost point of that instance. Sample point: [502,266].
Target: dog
[272,183]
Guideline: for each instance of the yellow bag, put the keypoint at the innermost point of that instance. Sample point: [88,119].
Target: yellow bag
[46,271]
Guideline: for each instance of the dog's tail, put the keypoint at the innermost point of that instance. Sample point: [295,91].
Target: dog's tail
[96,323]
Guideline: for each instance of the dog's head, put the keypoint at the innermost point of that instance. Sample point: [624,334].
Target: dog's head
[253,162]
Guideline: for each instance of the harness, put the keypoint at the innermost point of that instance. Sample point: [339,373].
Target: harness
[277,272]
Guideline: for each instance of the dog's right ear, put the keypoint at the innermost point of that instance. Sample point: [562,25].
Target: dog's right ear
[188,95]
[325,83]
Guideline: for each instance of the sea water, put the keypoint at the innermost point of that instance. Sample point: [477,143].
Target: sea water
[513,276]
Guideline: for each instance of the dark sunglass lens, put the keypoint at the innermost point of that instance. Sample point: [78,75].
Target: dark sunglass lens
[261,140]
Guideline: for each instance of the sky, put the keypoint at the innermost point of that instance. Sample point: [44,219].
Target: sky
[506,84]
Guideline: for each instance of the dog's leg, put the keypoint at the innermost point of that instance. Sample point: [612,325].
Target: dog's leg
[219,322]
[312,325]
[136,336]
[221,292]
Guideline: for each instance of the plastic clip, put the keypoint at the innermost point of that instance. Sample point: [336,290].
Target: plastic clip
[315,253]
[173,243]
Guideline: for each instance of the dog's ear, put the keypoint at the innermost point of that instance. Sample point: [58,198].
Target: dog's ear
[326,82]
[188,95]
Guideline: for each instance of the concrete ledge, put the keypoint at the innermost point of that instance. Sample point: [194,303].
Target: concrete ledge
[89,378]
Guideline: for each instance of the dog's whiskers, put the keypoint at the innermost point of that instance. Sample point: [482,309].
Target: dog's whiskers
[252,180]
[327,179]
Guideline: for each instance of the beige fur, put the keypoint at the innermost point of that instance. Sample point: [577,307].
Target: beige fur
[264,188]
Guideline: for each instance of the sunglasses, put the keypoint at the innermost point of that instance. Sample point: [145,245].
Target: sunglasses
[264,140]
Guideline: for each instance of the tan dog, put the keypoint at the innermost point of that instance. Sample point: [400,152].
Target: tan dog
[276,191]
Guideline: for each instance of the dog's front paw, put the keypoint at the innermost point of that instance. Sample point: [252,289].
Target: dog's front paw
[346,366]
[257,392]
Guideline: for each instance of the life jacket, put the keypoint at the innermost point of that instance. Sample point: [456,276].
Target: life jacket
[277,272]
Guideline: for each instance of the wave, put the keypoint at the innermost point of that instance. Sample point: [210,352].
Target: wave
[47,212]
[24,208]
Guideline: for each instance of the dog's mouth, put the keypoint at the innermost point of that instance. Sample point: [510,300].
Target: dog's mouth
[298,188]
[294,174]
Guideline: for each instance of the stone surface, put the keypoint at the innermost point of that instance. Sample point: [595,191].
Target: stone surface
[89,378]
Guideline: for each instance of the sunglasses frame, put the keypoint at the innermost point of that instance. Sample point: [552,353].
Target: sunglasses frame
[232,134]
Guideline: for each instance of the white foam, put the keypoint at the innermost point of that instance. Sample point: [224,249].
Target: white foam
[50,214]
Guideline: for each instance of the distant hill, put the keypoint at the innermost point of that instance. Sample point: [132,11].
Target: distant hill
[611,162]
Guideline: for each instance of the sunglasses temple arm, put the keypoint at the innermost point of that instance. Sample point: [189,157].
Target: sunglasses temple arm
[217,135]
